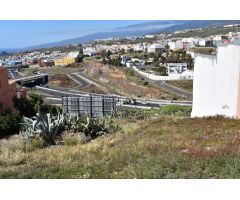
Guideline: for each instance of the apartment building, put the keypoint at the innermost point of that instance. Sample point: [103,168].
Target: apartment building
[64,61]
[7,90]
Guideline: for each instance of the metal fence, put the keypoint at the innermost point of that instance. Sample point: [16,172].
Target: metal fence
[94,106]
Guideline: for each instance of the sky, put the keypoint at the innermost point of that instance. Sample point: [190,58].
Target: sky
[20,34]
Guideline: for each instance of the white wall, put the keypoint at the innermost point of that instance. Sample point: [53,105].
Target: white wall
[215,85]
[164,78]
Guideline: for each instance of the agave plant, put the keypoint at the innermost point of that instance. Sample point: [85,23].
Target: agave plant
[44,125]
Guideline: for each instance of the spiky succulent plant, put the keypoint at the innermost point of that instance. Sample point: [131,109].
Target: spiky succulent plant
[45,125]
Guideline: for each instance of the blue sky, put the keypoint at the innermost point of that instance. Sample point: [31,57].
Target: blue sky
[18,34]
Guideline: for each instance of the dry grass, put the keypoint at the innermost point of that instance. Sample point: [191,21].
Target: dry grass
[184,84]
[61,80]
[116,80]
[166,147]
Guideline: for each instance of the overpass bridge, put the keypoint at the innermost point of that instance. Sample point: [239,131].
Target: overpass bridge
[32,81]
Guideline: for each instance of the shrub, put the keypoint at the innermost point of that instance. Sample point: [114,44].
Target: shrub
[176,110]
[90,127]
[115,61]
[44,109]
[134,114]
[145,83]
[30,106]
[130,72]
[9,123]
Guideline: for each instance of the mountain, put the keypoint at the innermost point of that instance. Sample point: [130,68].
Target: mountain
[151,27]
[191,24]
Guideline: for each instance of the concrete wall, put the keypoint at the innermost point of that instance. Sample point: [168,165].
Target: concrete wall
[216,83]
[164,78]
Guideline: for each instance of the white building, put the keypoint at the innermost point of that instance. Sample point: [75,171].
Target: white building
[155,48]
[138,47]
[216,85]
[175,45]
[89,51]
[202,43]
[176,68]
[73,54]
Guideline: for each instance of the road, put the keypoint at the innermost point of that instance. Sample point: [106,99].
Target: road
[82,83]
[167,87]
[55,97]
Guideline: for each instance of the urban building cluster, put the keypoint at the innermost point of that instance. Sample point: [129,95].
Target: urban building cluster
[41,59]
[214,73]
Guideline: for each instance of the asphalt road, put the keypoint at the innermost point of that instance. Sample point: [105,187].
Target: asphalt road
[82,83]
[167,87]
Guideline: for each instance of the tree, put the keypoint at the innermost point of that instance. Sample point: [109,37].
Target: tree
[190,62]
[163,71]
[28,106]
[122,51]
[156,64]
[79,58]
[103,53]
[109,53]
[81,51]
[9,123]
[115,61]
[167,47]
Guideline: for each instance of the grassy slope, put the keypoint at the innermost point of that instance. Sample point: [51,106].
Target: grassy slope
[184,84]
[159,148]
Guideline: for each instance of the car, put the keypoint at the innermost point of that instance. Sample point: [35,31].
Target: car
[144,102]
[133,102]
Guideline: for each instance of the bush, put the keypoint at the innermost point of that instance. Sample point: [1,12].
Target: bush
[179,111]
[130,72]
[24,107]
[9,123]
[28,107]
[145,83]
[134,114]
[91,127]
[44,109]
[115,61]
